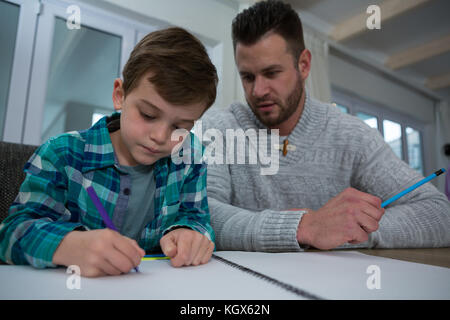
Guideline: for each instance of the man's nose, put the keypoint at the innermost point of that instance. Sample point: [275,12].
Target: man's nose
[260,87]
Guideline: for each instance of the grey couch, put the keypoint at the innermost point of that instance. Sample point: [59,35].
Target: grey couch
[12,160]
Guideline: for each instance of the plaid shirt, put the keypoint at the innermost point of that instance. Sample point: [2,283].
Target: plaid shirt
[53,200]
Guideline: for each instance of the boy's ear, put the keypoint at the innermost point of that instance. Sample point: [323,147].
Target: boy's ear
[118,95]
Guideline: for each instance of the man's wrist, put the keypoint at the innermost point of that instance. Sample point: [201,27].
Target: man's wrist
[303,237]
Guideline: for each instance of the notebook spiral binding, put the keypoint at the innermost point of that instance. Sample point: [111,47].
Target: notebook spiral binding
[286,286]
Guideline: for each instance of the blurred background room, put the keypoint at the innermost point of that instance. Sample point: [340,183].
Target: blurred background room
[59,59]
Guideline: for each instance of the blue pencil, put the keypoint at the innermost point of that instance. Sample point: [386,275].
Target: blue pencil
[418,184]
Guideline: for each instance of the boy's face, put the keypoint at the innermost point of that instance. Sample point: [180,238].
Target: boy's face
[147,123]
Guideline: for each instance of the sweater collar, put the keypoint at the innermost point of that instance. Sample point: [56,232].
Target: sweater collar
[312,121]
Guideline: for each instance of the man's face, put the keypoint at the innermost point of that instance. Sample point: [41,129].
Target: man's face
[147,122]
[272,83]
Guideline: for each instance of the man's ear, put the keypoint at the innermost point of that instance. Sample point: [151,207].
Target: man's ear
[304,63]
[118,95]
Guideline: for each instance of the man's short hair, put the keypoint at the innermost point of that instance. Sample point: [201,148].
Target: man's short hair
[269,16]
[181,70]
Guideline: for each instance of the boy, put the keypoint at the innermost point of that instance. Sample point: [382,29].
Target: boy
[168,83]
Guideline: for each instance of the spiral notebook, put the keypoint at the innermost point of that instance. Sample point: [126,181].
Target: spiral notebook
[243,275]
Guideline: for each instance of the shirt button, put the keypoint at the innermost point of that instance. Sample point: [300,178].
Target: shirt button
[126,191]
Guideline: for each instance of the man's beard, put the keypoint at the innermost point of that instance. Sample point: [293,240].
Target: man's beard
[286,109]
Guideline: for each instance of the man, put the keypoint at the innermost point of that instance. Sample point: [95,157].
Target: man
[334,171]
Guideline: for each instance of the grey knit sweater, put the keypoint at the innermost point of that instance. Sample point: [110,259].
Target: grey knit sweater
[333,151]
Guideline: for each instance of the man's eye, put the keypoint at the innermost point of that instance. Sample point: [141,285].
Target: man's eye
[271,74]
[247,78]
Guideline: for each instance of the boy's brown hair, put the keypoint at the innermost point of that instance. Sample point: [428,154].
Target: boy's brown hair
[181,70]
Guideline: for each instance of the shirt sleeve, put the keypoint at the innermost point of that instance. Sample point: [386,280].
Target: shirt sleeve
[38,219]
[193,212]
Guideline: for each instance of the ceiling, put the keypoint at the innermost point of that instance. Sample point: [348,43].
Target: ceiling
[413,42]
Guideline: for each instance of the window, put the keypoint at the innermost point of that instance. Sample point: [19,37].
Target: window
[342,108]
[76,72]
[403,135]
[55,78]
[393,136]
[414,149]
[9,19]
[81,60]
[371,121]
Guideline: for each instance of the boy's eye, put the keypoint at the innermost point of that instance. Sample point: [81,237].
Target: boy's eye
[147,116]
[181,126]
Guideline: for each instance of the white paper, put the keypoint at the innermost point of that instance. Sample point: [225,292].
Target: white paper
[343,274]
[157,279]
[329,275]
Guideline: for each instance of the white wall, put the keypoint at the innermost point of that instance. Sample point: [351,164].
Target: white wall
[376,87]
[207,19]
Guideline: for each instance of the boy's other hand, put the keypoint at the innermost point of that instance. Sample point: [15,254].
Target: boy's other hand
[186,247]
[98,252]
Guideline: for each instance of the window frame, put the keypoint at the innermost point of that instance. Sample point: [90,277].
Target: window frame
[52,9]
[21,67]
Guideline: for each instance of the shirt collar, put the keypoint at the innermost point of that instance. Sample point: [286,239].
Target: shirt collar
[98,148]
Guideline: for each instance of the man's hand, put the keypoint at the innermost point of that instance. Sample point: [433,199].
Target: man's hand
[186,247]
[98,252]
[349,217]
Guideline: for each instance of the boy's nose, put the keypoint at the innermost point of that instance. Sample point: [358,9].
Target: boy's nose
[160,134]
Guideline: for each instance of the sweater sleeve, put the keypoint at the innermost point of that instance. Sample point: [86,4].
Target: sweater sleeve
[240,229]
[419,219]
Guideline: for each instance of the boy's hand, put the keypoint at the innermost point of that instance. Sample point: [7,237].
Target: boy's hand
[186,247]
[98,252]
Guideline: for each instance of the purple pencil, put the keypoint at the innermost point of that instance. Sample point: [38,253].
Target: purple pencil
[102,211]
